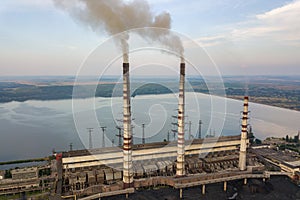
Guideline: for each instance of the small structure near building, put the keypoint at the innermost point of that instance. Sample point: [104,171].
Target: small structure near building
[2,174]
[24,173]
[292,166]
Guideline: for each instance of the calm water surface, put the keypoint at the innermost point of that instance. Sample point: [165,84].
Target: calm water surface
[34,128]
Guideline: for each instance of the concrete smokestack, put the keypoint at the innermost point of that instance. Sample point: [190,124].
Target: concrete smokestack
[180,171]
[243,147]
[127,146]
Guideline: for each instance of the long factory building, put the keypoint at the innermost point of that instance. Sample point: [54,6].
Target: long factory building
[86,172]
[141,152]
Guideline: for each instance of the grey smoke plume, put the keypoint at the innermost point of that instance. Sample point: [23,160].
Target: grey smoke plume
[116,16]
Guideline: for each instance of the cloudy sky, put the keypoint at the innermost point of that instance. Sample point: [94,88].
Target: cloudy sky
[252,37]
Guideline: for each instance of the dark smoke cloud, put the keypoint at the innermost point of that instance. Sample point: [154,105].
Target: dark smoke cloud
[116,16]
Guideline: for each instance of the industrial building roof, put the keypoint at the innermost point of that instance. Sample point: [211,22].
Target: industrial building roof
[294,164]
[24,170]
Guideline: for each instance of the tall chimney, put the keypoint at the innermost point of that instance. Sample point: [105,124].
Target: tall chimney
[127,140]
[243,147]
[180,171]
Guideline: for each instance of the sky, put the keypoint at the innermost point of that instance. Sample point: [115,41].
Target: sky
[251,37]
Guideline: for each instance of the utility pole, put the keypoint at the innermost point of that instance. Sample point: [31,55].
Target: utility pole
[90,130]
[132,127]
[119,135]
[190,130]
[174,134]
[143,136]
[168,136]
[103,133]
[199,129]
[174,126]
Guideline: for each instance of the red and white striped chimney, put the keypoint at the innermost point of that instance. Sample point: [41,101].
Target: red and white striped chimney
[243,147]
[180,165]
[127,138]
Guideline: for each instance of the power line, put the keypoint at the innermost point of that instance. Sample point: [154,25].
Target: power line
[113,142]
[199,129]
[71,146]
[143,136]
[103,133]
[90,130]
[190,130]
[119,135]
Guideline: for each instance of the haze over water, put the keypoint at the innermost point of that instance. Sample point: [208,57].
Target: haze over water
[34,128]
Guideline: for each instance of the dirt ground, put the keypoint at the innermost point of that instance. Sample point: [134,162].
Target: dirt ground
[280,188]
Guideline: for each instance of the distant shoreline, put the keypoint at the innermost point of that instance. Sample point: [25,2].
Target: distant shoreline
[252,99]
[283,92]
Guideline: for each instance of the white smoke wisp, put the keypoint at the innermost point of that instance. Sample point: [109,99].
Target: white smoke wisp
[116,16]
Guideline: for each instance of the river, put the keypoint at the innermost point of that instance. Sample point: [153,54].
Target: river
[35,128]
